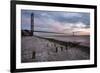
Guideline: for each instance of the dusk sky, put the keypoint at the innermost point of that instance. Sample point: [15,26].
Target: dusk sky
[60,22]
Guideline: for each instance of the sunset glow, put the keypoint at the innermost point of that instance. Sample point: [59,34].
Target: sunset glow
[59,22]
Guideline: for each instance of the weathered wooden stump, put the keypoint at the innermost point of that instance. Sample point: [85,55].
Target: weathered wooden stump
[33,55]
[56,49]
[61,48]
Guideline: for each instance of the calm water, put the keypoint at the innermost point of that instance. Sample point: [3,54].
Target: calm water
[84,40]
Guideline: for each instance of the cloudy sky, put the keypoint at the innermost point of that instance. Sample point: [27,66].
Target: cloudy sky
[59,22]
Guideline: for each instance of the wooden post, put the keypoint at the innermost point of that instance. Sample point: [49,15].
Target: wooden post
[56,49]
[61,48]
[33,54]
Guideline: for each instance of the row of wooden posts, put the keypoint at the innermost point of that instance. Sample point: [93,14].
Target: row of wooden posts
[53,46]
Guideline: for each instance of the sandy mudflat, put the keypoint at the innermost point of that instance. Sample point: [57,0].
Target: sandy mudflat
[35,49]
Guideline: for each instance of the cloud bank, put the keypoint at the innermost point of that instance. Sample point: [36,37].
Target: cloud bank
[59,22]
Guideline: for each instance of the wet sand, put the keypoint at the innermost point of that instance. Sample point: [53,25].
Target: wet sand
[38,49]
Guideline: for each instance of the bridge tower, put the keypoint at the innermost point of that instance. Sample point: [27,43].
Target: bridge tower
[32,24]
